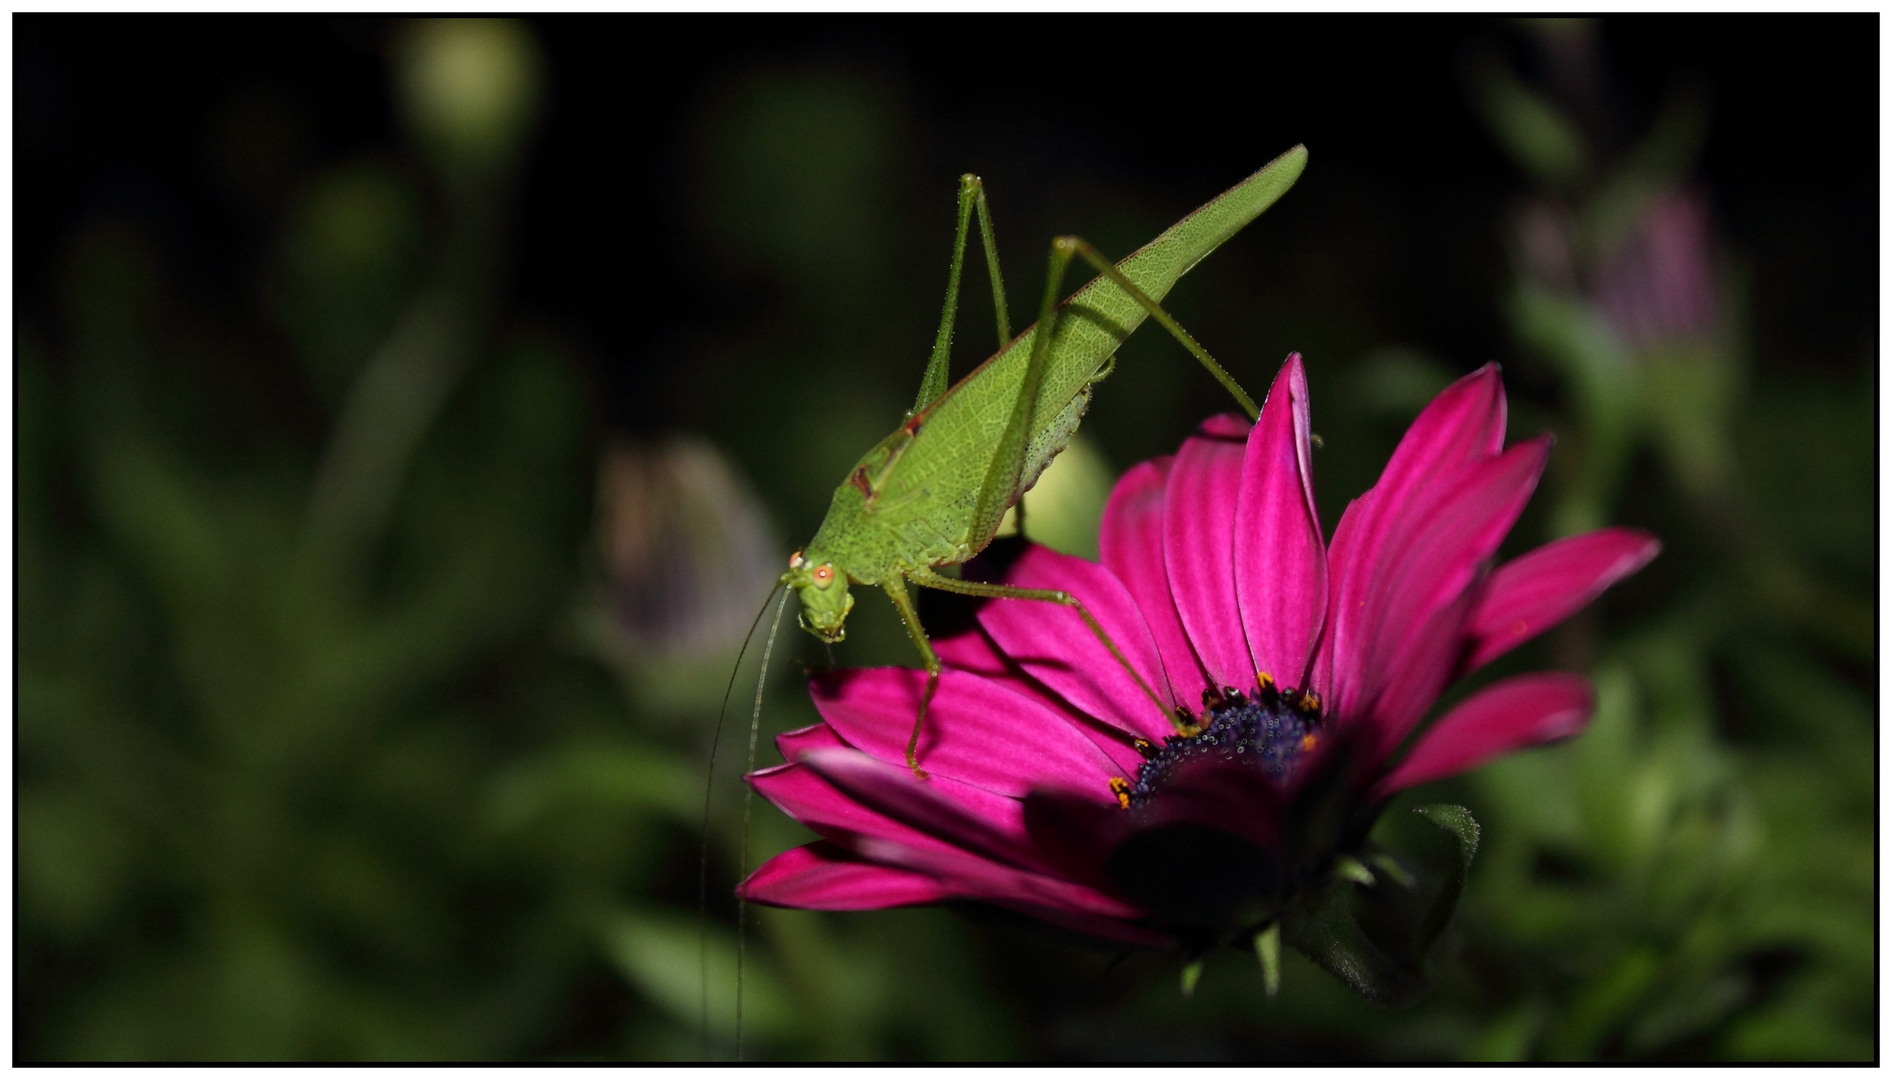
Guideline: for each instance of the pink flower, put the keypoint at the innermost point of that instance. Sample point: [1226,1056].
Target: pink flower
[1291,672]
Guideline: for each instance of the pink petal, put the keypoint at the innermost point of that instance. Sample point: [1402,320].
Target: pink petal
[1074,832]
[1459,428]
[974,652]
[885,816]
[1511,715]
[1433,562]
[808,797]
[826,877]
[1130,543]
[1542,588]
[1280,557]
[1416,677]
[988,880]
[1199,546]
[954,814]
[793,744]
[975,731]
[1054,646]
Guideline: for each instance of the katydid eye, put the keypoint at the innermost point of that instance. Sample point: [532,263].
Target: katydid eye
[824,575]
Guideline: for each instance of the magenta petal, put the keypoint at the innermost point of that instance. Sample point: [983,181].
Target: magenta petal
[1130,543]
[948,811]
[1199,546]
[810,798]
[1054,646]
[826,877]
[1459,428]
[1417,676]
[793,744]
[1075,832]
[1510,715]
[933,827]
[976,731]
[967,875]
[1430,563]
[1280,557]
[1542,588]
[972,651]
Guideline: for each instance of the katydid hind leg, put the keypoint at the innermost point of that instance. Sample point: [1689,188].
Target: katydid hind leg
[1163,318]
[999,490]
[896,587]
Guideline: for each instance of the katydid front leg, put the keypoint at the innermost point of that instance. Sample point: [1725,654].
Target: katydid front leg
[971,197]
[896,587]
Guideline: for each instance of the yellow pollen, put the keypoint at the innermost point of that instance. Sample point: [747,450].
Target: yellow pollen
[1307,743]
[1122,789]
[1142,745]
[1266,680]
[1309,702]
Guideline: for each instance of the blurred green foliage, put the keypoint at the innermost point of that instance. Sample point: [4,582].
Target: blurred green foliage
[336,740]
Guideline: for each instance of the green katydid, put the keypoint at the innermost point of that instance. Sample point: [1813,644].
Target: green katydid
[933,493]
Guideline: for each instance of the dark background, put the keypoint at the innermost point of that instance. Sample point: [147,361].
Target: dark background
[736,226]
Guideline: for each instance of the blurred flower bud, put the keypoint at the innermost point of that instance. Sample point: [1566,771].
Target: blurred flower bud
[471,88]
[687,548]
[1657,287]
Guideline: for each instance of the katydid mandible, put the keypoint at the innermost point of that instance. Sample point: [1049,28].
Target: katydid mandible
[933,493]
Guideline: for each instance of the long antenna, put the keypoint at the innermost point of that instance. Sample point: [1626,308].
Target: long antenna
[748,804]
[709,785]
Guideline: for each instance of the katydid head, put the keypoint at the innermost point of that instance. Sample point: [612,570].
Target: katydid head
[825,600]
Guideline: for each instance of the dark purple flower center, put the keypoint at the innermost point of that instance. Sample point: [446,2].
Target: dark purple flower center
[1268,730]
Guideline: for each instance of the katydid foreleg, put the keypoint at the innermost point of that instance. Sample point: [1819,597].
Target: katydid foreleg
[897,589]
[971,198]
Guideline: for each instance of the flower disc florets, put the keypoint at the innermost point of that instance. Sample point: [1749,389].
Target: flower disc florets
[1268,730]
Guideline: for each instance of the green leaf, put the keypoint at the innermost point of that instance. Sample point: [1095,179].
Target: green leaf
[1327,934]
[1535,131]
[662,954]
[1459,822]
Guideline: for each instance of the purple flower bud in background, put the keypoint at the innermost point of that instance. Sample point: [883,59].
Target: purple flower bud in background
[687,547]
[1657,286]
